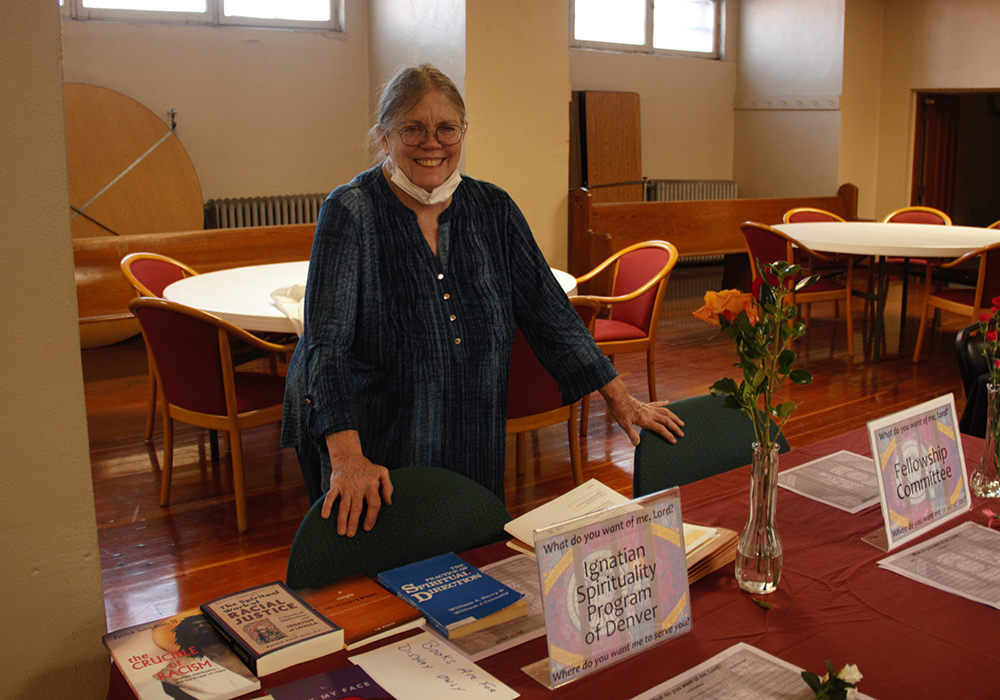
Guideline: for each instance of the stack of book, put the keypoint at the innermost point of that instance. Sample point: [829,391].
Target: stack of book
[219,651]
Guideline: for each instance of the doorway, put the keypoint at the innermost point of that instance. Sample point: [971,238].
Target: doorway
[956,163]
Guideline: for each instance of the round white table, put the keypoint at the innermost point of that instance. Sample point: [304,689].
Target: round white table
[242,295]
[889,240]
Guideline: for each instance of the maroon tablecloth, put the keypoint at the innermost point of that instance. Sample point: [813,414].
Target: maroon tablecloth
[834,602]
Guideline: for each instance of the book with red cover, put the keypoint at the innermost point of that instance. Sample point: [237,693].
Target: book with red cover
[365,610]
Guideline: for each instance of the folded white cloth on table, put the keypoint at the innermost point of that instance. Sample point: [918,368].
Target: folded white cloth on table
[291,301]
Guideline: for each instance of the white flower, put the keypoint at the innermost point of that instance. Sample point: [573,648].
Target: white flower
[852,693]
[850,674]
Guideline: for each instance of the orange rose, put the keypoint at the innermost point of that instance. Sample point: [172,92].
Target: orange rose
[729,303]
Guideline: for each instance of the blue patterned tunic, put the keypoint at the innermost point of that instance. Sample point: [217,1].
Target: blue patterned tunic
[412,350]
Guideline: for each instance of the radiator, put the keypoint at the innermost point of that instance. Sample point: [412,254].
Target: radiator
[687,190]
[681,190]
[263,211]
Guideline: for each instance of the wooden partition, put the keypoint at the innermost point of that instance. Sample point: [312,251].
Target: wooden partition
[708,227]
[103,293]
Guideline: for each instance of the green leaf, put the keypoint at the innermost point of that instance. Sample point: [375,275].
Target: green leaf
[812,680]
[800,376]
[785,409]
[726,386]
[762,603]
[806,282]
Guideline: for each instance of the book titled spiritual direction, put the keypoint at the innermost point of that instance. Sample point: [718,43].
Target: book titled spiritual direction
[613,584]
[455,597]
[365,610]
[345,683]
[921,470]
[182,652]
[271,628]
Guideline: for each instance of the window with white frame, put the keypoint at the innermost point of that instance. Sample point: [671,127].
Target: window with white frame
[685,27]
[294,14]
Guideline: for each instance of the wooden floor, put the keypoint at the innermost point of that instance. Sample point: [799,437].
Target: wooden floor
[156,561]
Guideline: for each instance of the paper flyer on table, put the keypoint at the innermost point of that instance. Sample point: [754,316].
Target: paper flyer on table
[921,469]
[520,573]
[426,667]
[843,480]
[964,560]
[741,671]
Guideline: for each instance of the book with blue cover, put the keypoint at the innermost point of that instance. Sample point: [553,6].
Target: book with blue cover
[455,597]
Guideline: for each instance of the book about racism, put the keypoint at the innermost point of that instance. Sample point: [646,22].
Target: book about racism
[179,657]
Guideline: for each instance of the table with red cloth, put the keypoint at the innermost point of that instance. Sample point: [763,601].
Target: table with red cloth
[834,602]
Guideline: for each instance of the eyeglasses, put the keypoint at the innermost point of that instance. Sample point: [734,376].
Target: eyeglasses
[446,134]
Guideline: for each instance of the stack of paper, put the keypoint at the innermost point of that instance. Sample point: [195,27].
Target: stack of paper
[708,548]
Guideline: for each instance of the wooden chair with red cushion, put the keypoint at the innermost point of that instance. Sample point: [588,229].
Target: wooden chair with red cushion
[639,276]
[913,266]
[769,245]
[534,400]
[192,361]
[966,301]
[149,274]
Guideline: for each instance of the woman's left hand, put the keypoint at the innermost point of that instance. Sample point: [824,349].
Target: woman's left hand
[630,413]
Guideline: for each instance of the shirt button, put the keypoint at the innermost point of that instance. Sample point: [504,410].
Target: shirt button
[447,296]
[440,275]
[458,341]
[452,317]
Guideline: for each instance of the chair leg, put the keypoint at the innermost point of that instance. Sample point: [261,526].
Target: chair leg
[849,283]
[584,414]
[151,413]
[920,334]
[519,454]
[166,472]
[574,447]
[239,487]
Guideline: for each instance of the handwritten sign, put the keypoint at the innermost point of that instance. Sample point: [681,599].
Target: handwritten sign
[921,469]
[426,667]
[613,584]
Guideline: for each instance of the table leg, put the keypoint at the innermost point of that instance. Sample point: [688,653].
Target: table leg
[902,307]
[881,292]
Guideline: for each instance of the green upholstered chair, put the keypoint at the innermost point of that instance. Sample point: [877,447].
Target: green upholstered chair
[433,511]
[716,439]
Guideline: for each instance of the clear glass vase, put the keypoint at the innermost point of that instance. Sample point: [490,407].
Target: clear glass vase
[758,553]
[985,481]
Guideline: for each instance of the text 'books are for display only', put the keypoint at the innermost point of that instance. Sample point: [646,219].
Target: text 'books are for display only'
[455,597]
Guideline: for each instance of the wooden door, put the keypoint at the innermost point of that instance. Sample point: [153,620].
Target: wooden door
[934,151]
[606,145]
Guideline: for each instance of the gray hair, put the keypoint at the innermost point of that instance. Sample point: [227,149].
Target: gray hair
[402,93]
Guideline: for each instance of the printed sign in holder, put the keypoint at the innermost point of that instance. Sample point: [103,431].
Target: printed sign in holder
[921,471]
[614,583]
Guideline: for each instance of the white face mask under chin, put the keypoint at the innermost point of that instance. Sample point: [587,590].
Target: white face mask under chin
[440,193]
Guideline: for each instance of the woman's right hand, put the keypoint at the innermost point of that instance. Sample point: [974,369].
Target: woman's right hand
[356,481]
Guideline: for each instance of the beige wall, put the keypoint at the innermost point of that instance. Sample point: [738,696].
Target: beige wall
[517,94]
[260,112]
[859,100]
[51,601]
[787,119]
[686,107]
[927,45]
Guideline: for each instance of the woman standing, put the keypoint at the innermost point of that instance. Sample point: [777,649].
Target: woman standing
[416,280]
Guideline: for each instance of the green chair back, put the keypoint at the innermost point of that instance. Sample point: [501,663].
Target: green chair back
[716,439]
[433,511]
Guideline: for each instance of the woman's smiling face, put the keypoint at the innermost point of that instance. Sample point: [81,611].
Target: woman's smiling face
[429,164]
